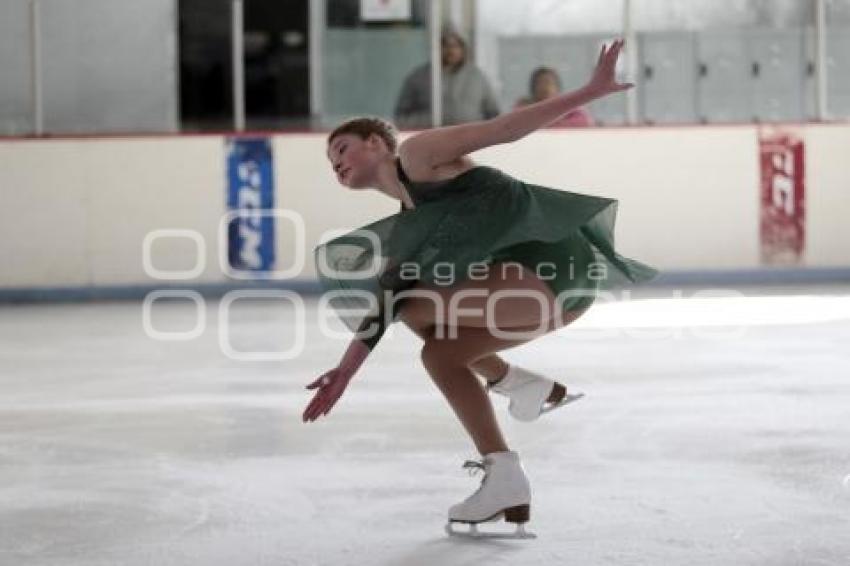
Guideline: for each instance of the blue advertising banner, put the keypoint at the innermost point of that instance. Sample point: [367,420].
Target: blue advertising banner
[250,191]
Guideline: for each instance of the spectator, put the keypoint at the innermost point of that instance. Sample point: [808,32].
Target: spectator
[545,83]
[467,95]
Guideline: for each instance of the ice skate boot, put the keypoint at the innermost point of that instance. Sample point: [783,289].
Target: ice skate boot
[504,493]
[529,393]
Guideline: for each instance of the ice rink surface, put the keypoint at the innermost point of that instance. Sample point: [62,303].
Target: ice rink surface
[715,431]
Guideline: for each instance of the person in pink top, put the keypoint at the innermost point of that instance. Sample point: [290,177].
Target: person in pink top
[545,83]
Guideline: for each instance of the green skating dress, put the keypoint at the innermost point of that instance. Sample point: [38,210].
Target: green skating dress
[480,217]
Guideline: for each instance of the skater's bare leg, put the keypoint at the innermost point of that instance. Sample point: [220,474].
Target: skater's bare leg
[448,363]
[450,356]
[421,312]
[465,394]
[526,308]
[492,367]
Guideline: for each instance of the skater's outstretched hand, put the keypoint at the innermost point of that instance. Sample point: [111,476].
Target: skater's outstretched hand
[603,80]
[330,385]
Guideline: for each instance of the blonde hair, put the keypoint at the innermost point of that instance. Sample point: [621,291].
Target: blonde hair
[364,127]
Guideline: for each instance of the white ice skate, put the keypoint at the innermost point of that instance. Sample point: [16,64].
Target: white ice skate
[504,493]
[529,393]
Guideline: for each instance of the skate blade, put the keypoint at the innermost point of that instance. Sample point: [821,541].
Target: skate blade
[474,533]
[566,400]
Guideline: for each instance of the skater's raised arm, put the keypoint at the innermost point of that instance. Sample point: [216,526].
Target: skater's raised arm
[437,146]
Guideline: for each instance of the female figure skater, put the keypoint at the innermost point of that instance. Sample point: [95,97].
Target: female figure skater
[530,259]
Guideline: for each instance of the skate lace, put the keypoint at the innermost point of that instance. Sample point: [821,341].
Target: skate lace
[474,467]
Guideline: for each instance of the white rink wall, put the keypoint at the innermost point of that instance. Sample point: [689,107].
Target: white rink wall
[76,211]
